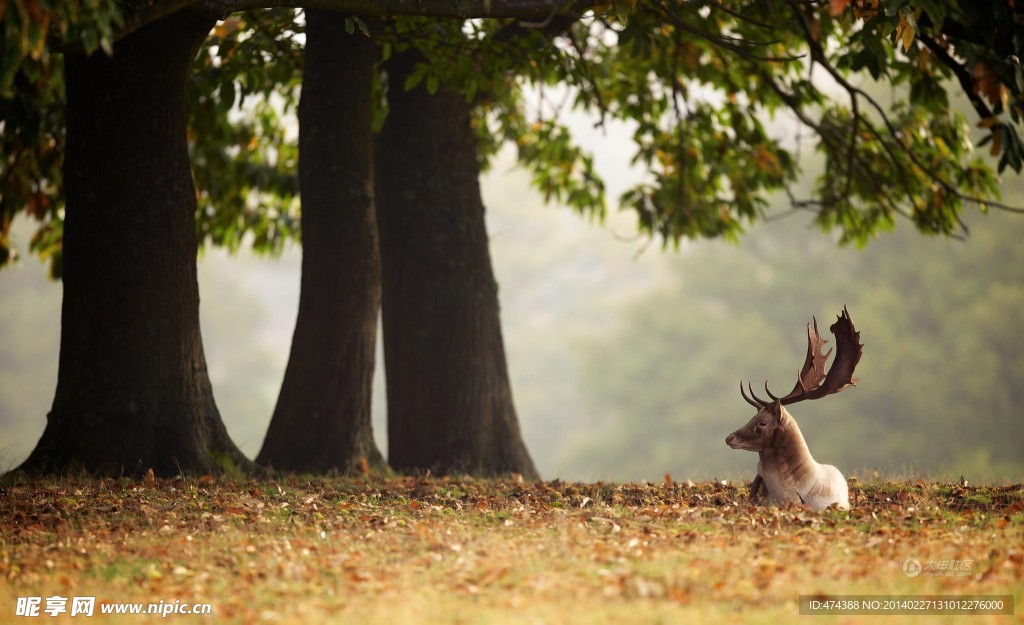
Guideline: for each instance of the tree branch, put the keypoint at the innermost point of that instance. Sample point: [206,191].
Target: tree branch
[587,75]
[818,54]
[539,10]
[739,16]
[739,46]
[961,73]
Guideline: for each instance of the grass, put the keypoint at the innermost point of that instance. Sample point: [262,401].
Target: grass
[470,551]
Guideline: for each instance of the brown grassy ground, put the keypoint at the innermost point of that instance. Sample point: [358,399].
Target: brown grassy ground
[473,551]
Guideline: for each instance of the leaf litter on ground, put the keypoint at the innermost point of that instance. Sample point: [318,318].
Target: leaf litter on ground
[445,550]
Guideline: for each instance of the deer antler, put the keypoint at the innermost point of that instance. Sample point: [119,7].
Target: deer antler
[812,381]
[812,374]
[759,404]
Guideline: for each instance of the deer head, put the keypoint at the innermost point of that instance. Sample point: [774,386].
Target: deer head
[812,383]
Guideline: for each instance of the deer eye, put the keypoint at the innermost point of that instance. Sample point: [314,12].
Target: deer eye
[763,423]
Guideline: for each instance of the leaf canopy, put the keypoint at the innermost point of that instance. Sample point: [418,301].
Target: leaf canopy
[728,102]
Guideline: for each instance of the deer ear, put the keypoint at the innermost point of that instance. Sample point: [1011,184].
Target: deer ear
[776,410]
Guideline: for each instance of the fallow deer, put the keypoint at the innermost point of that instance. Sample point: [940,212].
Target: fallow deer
[786,472]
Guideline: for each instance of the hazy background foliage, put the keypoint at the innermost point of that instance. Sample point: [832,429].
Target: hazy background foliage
[625,358]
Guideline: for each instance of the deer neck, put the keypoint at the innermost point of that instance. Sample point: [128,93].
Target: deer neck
[788,456]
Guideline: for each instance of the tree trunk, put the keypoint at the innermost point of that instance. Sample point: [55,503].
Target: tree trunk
[449,401]
[132,388]
[322,419]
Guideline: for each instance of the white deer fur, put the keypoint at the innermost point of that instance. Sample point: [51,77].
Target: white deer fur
[786,468]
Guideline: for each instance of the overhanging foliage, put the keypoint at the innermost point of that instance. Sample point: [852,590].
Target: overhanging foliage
[725,99]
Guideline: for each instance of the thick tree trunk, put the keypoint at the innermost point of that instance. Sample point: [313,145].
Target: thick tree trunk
[449,401]
[132,389]
[322,419]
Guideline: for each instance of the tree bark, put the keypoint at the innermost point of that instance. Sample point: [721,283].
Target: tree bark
[132,389]
[322,419]
[449,401]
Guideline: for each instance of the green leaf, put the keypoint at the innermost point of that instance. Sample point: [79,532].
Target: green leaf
[412,80]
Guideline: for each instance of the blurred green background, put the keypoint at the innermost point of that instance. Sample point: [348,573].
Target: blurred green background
[625,358]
